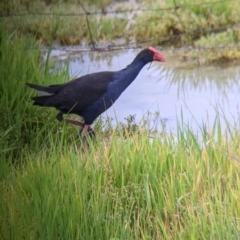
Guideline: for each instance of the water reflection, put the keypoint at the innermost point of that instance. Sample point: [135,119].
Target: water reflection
[197,92]
[204,79]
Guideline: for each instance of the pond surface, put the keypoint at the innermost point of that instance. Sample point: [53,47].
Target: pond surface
[193,95]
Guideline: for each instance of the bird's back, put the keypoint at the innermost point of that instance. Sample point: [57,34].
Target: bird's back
[81,93]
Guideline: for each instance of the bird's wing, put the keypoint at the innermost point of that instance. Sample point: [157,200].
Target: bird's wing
[82,92]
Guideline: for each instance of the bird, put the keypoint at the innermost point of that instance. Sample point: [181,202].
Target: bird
[90,95]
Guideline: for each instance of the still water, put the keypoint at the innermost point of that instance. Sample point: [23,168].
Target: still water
[192,94]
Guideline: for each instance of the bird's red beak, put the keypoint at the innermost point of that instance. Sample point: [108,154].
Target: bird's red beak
[157,55]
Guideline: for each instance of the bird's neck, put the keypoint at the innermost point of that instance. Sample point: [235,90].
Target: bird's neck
[130,72]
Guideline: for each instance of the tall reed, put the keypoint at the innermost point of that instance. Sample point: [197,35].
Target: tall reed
[22,125]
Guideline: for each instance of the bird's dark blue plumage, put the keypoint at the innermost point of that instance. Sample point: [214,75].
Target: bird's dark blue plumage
[90,95]
[120,81]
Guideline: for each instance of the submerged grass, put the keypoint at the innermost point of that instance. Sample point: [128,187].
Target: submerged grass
[53,186]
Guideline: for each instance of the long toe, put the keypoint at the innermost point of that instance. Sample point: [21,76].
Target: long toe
[87,131]
[91,133]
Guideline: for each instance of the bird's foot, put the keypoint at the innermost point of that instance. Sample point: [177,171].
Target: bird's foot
[87,131]
[60,116]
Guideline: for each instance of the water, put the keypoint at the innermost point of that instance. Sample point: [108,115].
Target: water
[198,93]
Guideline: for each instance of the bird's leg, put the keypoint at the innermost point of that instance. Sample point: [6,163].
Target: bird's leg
[74,122]
[84,129]
[71,121]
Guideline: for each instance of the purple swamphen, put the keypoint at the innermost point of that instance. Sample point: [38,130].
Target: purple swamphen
[90,95]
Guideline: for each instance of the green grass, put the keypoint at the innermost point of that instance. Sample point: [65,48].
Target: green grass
[66,30]
[167,27]
[25,126]
[124,189]
[206,27]
[203,24]
[189,23]
[119,186]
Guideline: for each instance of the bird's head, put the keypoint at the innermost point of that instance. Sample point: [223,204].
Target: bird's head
[150,54]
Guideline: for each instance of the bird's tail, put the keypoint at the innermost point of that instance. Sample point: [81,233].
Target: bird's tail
[46,94]
[42,90]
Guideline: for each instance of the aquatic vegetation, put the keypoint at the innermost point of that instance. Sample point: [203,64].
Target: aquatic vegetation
[218,48]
